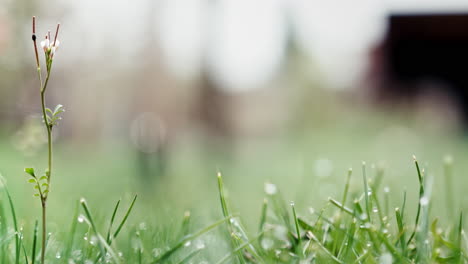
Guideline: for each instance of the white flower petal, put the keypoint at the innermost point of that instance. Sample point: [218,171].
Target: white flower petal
[45,43]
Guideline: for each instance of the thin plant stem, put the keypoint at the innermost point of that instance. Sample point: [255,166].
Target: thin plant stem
[49,169]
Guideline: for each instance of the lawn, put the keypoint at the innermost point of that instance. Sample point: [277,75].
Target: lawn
[307,168]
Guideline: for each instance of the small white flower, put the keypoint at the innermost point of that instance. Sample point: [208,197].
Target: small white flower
[45,44]
[50,46]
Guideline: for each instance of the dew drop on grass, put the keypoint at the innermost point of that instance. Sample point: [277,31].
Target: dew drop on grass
[81,218]
[424,201]
[156,252]
[142,226]
[270,189]
[363,216]
[93,240]
[77,255]
[199,244]
[386,189]
[187,244]
[386,258]
[280,232]
[58,255]
[267,243]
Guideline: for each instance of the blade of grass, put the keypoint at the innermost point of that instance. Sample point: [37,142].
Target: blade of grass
[34,245]
[93,225]
[225,209]
[116,207]
[184,230]
[346,189]
[449,193]
[190,256]
[421,195]
[401,231]
[238,249]
[184,240]
[298,232]
[71,239]
[311,236]
[366,191]
[263,215]
[15,222]
[119,228]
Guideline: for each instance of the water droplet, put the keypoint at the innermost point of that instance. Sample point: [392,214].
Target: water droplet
[187,244]
[363,216]
[58,255]
[424,201]
[81,218]
[199,244]
[386,189]
[267,243]
[270,189]
[93,240]
[375,210]
[386,258]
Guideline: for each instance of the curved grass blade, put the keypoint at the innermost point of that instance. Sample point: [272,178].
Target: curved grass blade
[421,194]
[72,232]
[190,256]
[119,228]
[108,236]
[184,240]
[15,222]
[34,245]
[239,249]
[224,207]
[91,222]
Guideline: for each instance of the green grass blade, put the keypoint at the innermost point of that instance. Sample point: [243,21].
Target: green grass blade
[119,228]
[185,228]
[238,249]
[346,189]
[421,194]
[263,215]
[92,223]
[298,232]
[225,209]
[34,245]
[179,244]
[108,236]
[366,191]
[71,239]
[190,256]
[24,250]
[15,222]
